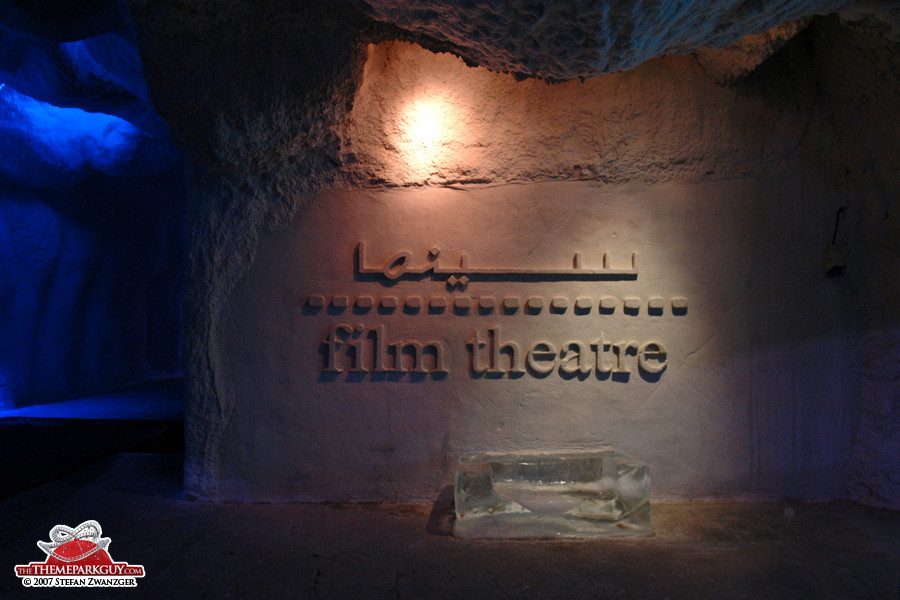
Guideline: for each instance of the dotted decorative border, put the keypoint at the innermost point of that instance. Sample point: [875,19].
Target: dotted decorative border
[485,305]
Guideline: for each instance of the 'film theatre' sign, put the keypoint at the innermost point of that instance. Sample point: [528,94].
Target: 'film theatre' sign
[360,348]
[384,332]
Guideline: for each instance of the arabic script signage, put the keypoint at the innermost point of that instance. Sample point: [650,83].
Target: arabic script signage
[361,349]
[384,332]
[399,265]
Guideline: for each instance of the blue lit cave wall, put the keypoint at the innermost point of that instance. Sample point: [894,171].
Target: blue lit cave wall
[92,226]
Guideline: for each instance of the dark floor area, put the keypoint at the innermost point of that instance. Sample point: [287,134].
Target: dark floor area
[158,400]
[44,442]
[194,550]
[118,461]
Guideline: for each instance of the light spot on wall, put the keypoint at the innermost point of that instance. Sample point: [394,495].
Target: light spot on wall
[424,125]
[424,118]
[422,131]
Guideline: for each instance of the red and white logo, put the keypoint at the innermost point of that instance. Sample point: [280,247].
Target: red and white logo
[78,557]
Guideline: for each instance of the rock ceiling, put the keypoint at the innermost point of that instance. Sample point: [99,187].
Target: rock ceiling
[85,53]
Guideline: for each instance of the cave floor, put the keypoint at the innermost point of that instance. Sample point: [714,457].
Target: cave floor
[198,550]
[159,400]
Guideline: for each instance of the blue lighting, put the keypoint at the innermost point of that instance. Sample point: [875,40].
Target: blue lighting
[91,229]
[42,145]
[121,64]
[6,396]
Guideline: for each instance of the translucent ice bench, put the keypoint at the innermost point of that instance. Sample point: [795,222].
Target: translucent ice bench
[551,495]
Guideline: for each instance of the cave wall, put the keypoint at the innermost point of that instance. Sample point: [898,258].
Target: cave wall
[271,145]
[749,401]
[92,224]
[92,280]
[863,86]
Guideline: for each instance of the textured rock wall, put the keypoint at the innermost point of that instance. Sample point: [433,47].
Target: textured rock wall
[91,280]
[866,102]
[269,122]
[664,120]
[563,40]
[92,198]
[277,101]
[254,93]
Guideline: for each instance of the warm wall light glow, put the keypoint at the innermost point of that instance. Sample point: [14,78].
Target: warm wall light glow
[424,124]
[426,132]
[420,118]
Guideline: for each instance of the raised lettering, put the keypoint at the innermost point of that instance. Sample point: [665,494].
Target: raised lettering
[333,343]
[574,358]
[475,345]
[498,348]
[417,352]
[652,357]
[621,350]
[600,346]
[542,358]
